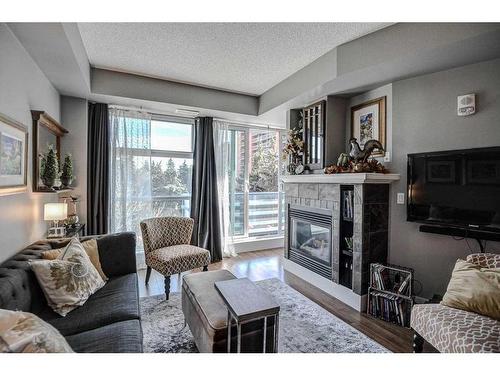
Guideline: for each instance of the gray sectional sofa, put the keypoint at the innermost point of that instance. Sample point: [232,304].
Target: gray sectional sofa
[109,322]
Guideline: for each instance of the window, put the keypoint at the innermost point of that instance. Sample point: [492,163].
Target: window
[150,168]
[171,166]
[255,197]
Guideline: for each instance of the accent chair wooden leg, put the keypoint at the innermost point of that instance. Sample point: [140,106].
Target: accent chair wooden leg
[418,343]
[205,268]
[167,286]
[148,274]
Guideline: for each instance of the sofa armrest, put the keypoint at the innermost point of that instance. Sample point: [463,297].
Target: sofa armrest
[116,253]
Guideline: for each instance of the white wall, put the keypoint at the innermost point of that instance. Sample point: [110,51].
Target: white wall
[23,87]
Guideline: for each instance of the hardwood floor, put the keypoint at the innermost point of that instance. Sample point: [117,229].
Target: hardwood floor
[266,264]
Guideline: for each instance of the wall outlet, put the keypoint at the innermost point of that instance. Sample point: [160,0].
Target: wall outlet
[400,198]
[387,157]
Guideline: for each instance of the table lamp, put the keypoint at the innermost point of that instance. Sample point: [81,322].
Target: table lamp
[55,212]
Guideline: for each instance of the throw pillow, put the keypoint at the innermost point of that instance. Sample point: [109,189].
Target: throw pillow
[22,332]
[69,280]
[473,288]
[92,251]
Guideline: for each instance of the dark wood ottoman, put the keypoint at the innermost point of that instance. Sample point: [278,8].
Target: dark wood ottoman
[206,315]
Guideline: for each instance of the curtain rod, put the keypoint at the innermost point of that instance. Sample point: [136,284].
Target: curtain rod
[249,124]
[148,111]
[154,112]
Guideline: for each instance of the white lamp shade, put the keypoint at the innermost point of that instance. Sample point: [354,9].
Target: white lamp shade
[55,211]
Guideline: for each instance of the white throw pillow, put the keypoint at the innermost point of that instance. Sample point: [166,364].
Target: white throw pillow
[69,280]
[22,332]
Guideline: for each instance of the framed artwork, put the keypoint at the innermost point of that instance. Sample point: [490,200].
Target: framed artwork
[13,156]
[368,121]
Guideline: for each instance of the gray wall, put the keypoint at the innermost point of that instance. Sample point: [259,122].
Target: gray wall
[74,117]
[424,118]
[23,88]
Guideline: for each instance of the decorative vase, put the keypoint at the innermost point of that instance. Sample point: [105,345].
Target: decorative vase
[49,182]
[66,181]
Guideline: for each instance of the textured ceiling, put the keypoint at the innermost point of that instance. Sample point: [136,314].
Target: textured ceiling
[243,57]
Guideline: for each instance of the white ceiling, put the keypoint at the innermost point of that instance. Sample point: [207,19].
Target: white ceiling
[242,57]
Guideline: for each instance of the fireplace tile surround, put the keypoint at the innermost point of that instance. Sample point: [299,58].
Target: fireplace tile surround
[370,226]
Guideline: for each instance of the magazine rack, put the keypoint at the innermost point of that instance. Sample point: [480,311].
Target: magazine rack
[390,294]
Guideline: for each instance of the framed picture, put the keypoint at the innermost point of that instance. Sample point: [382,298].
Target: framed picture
[368,121]
[13,156]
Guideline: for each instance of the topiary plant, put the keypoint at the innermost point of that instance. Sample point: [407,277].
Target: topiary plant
[67,171]
[49,168]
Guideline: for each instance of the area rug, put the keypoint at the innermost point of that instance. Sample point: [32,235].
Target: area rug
[305,327]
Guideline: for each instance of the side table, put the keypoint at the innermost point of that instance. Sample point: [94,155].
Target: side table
[246,302]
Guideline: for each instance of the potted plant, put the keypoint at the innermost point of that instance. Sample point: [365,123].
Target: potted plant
[67,171]
[49,168]
[293,150]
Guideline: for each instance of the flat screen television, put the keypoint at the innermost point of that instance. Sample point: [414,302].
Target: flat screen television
[459,188]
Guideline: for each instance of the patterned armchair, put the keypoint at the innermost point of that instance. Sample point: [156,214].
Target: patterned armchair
[167,249]
[452,330]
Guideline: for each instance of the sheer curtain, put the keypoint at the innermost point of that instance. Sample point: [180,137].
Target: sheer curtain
[130,171]
[222,158]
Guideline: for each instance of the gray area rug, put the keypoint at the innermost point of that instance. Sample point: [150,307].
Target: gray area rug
[305,327]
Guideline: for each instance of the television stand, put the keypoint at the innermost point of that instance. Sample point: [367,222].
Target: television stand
[475,234]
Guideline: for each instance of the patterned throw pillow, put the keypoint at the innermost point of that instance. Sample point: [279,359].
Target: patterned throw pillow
[69,280]
[22,332]
[90,247]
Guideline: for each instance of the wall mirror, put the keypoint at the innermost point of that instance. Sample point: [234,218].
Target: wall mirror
[47,132]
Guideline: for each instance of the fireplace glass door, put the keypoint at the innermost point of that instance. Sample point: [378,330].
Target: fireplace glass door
[311,239]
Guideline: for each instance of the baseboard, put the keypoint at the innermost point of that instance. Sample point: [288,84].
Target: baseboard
[338,291]
[258,244]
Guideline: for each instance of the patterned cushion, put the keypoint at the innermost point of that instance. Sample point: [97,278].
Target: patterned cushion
[22,332]
[179,258]
[485,260]
[69,280]
[451,330]
[162,232]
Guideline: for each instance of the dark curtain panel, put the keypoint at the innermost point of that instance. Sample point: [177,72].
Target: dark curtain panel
[207,232]
[98,169]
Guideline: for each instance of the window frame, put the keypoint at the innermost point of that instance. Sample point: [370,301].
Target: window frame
[245,237]
[168,153]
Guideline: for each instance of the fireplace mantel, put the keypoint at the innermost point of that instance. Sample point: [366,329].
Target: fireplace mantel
[343,178]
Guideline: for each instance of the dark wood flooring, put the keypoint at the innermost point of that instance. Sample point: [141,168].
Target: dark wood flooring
[266,264]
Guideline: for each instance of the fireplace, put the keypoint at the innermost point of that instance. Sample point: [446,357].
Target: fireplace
[310,239]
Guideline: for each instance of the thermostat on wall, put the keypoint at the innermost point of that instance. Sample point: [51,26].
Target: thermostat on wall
[466,105]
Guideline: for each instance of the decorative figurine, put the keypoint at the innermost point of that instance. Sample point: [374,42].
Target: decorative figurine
[362,156]
[357,160]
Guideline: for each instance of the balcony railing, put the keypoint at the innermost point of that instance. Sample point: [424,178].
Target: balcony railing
[264,214]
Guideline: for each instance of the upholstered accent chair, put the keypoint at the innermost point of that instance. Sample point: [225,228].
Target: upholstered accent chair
[167,247]
[452,330]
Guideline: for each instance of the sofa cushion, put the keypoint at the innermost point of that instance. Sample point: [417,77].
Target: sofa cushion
[69,280]
[22,332]
[117,301]
[120,337]
[90,247]
[451,330]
